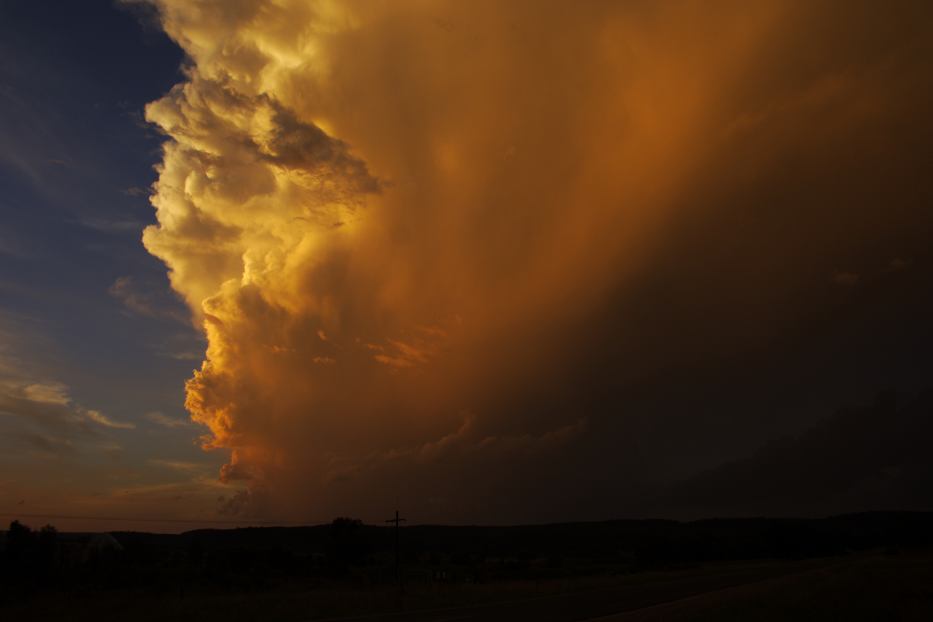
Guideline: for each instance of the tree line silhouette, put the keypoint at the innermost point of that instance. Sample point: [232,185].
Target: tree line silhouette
[350,553]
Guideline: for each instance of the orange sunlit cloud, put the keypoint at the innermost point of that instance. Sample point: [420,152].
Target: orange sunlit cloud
[383,291]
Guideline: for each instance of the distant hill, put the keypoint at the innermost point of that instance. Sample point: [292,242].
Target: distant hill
[636,541]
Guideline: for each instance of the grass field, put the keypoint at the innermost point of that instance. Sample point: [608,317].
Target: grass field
[870,586]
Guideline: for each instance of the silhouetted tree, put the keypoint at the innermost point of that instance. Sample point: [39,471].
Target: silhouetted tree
[20,541]
[346,544]
[30,555]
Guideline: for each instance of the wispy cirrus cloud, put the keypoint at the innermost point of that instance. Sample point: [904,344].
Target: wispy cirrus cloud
[100,418]
[148,302]
[178,465]
[47,392]
[43,409]
[166,421]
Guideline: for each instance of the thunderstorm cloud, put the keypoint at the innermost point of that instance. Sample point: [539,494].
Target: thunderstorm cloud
[429,242]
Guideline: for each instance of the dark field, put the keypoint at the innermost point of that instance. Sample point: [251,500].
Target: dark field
[859,567]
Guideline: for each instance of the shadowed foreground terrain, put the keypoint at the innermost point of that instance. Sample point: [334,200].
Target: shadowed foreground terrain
[865,566]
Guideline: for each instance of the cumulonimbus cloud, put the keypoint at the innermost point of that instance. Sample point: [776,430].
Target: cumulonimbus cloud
[384,213]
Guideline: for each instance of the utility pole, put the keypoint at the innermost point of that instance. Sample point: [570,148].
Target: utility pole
[398,574]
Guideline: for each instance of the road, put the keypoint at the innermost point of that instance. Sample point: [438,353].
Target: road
[636,597]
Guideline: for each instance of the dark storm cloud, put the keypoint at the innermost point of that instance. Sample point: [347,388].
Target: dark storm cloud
[873,457]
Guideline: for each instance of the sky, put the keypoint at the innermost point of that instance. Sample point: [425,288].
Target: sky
[276,261]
